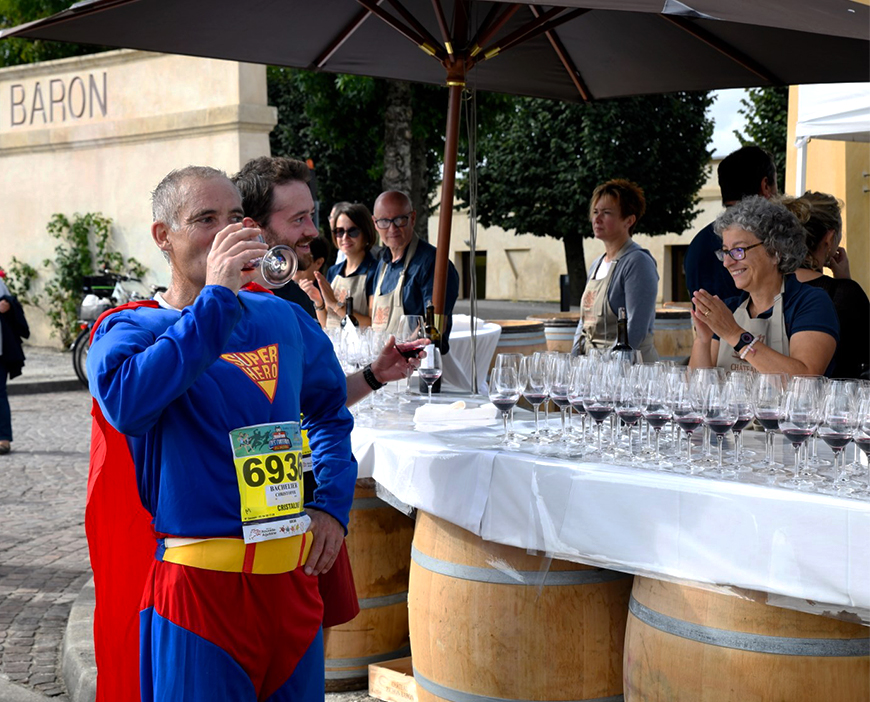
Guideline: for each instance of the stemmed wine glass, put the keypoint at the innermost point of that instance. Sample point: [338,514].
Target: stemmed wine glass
[839,423]
[533,371]
[410,337]
[657,411]
[800,419]
[511,360]
[277,266]
[504,393]
[687,407]
[767,396]
[430,368]
[862,438]
[740,387]
[720,415]
[628,408]
[599,398]
[560,384]
[579,381]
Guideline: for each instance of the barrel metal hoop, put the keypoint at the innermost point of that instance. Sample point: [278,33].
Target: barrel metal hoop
[403,652]
[448,693]
[755,643]
[513,577]
[383,600]
[368,503]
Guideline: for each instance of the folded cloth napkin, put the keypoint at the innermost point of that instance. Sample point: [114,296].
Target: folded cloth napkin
[455,412]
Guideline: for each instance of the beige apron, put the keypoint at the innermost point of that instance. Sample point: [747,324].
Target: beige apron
[770,332]
[599,321]
[348,286]
[387,309]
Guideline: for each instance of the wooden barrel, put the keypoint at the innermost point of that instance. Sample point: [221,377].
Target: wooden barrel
[684,644]
[379,545]
[519,336]
[559,328]
[491,622]
[673,335]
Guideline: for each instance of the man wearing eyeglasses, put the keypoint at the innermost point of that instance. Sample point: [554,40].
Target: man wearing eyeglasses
[406,271]
[748,171]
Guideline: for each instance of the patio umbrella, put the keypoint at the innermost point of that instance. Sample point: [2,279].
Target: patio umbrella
[576,50]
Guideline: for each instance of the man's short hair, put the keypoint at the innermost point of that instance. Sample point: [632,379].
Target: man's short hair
[258,178]
[166,200]
[628,195]
[741,172]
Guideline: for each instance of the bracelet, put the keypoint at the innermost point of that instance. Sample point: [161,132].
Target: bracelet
[369,377]
[748,348]
[319,309]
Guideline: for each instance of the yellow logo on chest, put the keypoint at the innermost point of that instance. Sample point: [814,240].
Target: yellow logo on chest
[261,366]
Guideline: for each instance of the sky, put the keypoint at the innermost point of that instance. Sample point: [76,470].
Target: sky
[726,118]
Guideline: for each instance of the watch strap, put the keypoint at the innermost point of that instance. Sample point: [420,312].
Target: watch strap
[370,379]
[745,338]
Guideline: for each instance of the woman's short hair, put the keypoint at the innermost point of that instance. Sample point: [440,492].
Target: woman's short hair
[819,213]
[361,217]
[628,195]
[774,226]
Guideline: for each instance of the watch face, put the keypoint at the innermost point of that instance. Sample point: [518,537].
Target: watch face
[746,337]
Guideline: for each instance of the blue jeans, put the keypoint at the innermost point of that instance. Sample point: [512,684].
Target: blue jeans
[5,412]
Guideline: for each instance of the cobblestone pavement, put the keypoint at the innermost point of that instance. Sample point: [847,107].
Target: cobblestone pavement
[43,553]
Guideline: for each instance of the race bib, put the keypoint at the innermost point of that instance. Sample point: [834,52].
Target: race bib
[268,462]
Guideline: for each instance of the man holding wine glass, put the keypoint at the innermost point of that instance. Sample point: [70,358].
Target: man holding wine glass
[178,383]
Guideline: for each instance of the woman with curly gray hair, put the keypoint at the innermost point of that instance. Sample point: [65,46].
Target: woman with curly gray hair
[776,324]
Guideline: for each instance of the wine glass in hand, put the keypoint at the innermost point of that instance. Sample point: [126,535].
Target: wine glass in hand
[430,368]
[409,338]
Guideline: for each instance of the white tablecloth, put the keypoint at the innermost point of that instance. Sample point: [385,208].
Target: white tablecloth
[457,364]
[808,551]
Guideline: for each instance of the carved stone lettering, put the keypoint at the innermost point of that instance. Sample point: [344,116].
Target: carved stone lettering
[78,96]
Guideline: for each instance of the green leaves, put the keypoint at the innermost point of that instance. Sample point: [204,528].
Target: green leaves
[766,112]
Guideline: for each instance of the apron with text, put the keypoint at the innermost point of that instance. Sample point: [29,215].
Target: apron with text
[344,287]
[388,309]
[599,321]
[770,332]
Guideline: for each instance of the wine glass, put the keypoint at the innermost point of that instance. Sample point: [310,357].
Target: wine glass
[580,366]
[504,393]
[430,367]
[800,419]
[702,378]
[687,408]
[657,411]
[862,438]
[534,385]
[599,398]
[839,423]
[409,338]
[560,384]
[277,266]
[740,386]
[510,360]
[720,414]
[628,408]
[767,398]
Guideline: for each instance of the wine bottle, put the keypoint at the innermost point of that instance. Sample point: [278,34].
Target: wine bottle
[621,349]
[434,335]
[348,313]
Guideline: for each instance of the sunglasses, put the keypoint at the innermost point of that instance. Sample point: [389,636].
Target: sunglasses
[352,232]
[738,253]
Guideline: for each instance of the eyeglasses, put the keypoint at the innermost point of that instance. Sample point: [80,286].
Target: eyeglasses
[352,232]
[738,253]
[398,222]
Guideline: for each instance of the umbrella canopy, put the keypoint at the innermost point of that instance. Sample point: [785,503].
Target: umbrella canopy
[610,47]
[577,50]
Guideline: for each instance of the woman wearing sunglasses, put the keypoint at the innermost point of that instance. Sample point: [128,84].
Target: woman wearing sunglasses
[353,235]
[777,324]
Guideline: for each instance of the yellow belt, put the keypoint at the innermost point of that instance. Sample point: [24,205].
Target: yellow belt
[235,556]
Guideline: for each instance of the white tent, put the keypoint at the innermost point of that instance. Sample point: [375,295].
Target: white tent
[838,111]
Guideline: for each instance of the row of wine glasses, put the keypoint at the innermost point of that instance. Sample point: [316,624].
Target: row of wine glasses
[658,395]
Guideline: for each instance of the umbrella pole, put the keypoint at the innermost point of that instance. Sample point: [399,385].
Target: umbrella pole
[448,188]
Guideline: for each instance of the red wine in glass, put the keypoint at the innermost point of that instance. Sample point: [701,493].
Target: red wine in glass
[410,349]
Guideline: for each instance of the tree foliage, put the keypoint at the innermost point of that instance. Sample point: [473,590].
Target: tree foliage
[766,112]
[540,162]
[15,51]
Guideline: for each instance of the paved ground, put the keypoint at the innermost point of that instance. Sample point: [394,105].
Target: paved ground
[43,553]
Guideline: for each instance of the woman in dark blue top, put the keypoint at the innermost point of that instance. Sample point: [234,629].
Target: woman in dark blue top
[353,235]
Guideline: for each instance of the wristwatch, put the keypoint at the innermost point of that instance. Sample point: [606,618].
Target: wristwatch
[745,338]
[369,377]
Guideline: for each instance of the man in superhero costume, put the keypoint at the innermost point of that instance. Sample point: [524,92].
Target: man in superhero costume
[230,608]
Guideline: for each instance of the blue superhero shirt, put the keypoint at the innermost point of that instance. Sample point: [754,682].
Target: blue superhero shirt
[177,382]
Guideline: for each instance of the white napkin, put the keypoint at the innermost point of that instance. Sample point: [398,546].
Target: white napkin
[455,412]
